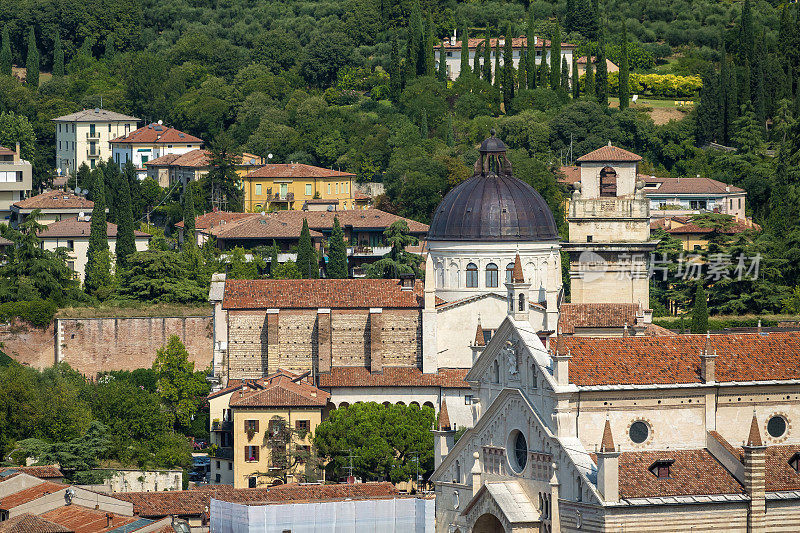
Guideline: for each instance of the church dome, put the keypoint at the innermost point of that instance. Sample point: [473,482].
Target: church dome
[493,205]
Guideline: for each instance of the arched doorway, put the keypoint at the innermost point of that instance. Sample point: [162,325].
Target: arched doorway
[488,523]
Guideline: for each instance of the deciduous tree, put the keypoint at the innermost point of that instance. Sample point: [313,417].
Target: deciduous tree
[179,387]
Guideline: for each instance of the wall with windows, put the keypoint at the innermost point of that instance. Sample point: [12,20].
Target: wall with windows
[264,193]
[86,142]
[141,153]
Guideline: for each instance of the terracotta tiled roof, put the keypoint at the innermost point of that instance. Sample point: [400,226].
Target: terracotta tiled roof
[175,502]
[779,474]
[28,523]
[295,493]
[689,186]
[96,115]
[263,226]
[607,444]
[609,153]
[214,219]
[30,494]
[84,520]
[479,338]
[393,376]
[516,274]
[693,472]
[280,389]
[296,170]
[42,472]
[675,359]
[654,330]
[196,159]
[55,200]
[694,229]
[6,151]
[316,293]
[516,42]
[72,227]
[571,175]
[754,438]
[600,315]
[233,384]
[444,418]
[157,134]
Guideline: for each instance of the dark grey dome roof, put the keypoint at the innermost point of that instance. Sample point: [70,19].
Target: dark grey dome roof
[492,145]
[493,208]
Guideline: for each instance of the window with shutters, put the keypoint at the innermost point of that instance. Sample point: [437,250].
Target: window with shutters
[304,425]
[251,428]
[251,454]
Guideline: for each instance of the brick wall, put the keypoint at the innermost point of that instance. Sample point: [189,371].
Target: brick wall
[254,350]
[28,345]
[91,345]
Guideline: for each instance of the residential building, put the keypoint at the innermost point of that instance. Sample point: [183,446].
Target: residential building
[72,234]
[16,180]
[191,166]
[53,206]
[610,67]
[677,433]
[84,137]
[151,142]
[452,49]
[696,237]
[289,186]
[46,472]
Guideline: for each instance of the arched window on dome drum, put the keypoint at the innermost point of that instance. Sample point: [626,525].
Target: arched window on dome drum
[491,275]
[509,272]
[521,302]
[608,182]
[472,276]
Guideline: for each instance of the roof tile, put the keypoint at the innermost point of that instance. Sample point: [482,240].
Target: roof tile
[599,315]
[157,134]
[280,389]
[609,153]
[72,227]
[55,200]
[296,170]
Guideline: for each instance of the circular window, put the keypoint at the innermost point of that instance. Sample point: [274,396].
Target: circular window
[639,432]
[776,426]
[520,451]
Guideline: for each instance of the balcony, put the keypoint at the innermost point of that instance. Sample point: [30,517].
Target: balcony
[225,425]
[93,135]
[289,197]
[92,153]
[221,453]
[368,251]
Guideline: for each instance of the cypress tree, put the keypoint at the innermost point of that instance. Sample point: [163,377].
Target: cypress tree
[565,76]
[601,80]
[442,75]
[728,100]
[395,74]
[543,77]
[306,254]
[110,48]
[126,242]
[5,53]
[98,259]
[508,70]
[708,113]
[448,131]
[699,310]
[555,58]
[758,90]
[416,36]
[531,63]
[589,88]
[569,19]
[487,58]
[32,62]
[624,88]
[464,69]
[423,124]
[188,216]
[523,68]
[497,72]
[337,255]
[746,33]
[430,43]
[476,61]
[576,86]
[58,57]
[273,257]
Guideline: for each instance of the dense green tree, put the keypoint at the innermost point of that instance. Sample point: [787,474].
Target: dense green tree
[181,389]
[487,58]
[158,275]
[590,88]
[530,33]
[523,68]
[110,48]
[498,71]
[476,61]
[240,267]
[508,69]
[324,56]
[188,216]
[423,124]
[565,76]
[601,78]
[728,97]
[708,109]
[746,33]
[442,72]
[32,62]
[220,185]
[58,57]
[430,44]
[415,42]
[543,75]
[97,280]
[337,254]
[126,240]
[395,72]
[699,310]
[576,86]
[555,57]
[287,270]
[307,262]
[464,67]
[398,260]
[16,128]
[624,87]
[5,53]
[388,442]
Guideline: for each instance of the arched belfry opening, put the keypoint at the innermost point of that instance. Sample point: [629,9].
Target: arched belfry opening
[493,158]
[608,182]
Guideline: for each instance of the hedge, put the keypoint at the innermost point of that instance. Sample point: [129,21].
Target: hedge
[715,324]
[39,313]
[660,85]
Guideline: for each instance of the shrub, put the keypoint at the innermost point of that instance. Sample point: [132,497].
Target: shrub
[38,313]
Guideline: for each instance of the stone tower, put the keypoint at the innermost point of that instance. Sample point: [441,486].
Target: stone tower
[609,230]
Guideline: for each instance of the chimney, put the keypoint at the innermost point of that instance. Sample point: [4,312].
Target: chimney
[407,282]
[625,332]
[17,153]
[707,362]
[476,474]
[754,478]
[608,466]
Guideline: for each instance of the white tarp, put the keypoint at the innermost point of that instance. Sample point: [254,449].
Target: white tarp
[398,515]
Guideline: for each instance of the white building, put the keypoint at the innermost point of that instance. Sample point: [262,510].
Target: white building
[149,142]
[16,179]
[84,137]
[452,49]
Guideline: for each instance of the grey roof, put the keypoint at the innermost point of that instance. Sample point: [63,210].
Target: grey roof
[95,115]
[513,501]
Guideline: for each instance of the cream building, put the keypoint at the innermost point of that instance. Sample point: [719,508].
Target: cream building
[16,179]
[52,206]
[84,137]
[150,142]
[681,433]
[72,235]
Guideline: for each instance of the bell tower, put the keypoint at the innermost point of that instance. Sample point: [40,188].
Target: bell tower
[609,230]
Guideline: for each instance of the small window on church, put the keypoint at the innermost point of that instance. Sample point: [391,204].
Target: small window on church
[534,376]
[588,238]
[661,469]
[521,302]
[472,276]
[496,372]
[794,462]
[509,272]
[491,275]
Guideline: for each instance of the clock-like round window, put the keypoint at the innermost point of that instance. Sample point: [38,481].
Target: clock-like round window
[520,452]
[639,432]
[776,426]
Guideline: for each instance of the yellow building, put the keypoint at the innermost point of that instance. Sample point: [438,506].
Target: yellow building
[257,425]
[290,186]
[695,237]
